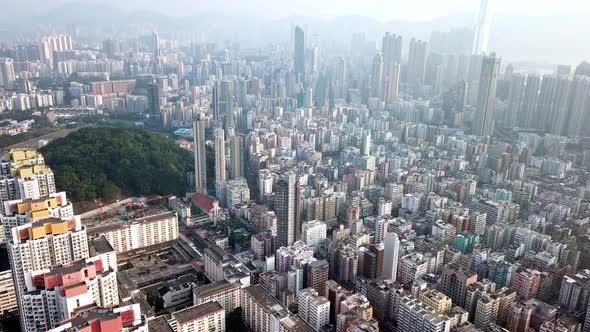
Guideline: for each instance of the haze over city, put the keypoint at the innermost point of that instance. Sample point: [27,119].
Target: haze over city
[294,166]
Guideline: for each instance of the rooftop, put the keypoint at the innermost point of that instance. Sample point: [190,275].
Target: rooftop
[196,312]
[214,288]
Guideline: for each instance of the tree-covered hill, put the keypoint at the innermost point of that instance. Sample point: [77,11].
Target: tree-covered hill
[105,162]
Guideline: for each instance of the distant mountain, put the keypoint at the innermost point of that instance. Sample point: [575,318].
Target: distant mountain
[513,36]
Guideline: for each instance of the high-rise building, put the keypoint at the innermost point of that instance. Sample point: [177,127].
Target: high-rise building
[417,61]
[236,145]
[226,103]
[287,209]
[7,76]
[366,143]
[483,123]
[139,233]
[263,313]
[299,54]
[419,317]
[390,255]
[24,175]
[435,299]
[8,303]
[39,246]
[225,292]
[520,317]
[127,318]
[31,244]
[392,57]
[58,294]
[156,65]
[526,284]
[317,276]
[454,282]
[552,103]
[377,76]
[313,233]
[220,173]
[482,29]
[578,106]
[209,316]
[515,96]
[574,291]
[200,154]
[528,110]
[313,309]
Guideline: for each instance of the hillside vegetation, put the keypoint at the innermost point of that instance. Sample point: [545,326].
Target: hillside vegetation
[107,162]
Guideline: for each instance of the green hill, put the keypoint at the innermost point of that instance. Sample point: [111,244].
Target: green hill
[105,162]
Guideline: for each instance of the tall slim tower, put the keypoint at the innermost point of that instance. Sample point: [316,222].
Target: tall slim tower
[377,76]
[157,53]
[287,210]
[483,124]
[391,85]
[417,61]
[220,174]
[528,111]
[391,48]
[200,154]
[578,105]
[299,55]
[482,28]
[236,156]
[7,77]
[156,46]
[390,255]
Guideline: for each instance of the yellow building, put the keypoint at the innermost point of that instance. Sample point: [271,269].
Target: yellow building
[435,299]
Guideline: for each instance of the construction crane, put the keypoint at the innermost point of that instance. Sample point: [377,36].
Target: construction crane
[100,206]
[144,200]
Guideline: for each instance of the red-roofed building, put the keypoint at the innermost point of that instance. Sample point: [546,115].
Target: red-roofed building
[106,320]
[207,205]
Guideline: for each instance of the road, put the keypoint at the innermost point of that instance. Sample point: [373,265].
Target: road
[34,142]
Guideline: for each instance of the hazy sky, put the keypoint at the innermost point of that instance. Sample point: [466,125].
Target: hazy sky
[378,9]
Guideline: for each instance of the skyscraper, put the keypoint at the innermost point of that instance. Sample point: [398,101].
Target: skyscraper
[220,174]
[528,111]
[578,105]
[226,103]
[317,275]
[417,61]
[391,255]
[153,98]
[391,48]
[482,29]
[483,123]
[216,100]
[236,146]
[377,76]
[287,209]
[299,54]
[366,143]
[391,85]
[200,154]
[515,95]
[7,77]
[157,53]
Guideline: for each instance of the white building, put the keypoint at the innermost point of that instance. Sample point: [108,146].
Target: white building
[313,233]
[390,255]
[141,232]
[313,309]
[205,317]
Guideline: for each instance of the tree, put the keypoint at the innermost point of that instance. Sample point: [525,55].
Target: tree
[109,162]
